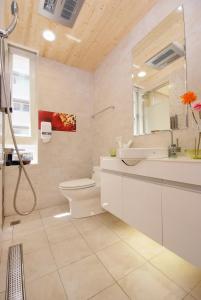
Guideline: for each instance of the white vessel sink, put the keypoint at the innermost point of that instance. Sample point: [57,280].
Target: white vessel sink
[142,153]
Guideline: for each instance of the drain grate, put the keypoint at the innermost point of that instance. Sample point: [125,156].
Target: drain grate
[15,289]
[13,223]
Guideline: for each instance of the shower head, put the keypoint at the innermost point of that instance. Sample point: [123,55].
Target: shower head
[4,33]
[14,8]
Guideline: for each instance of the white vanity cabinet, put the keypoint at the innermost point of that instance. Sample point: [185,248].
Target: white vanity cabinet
[181,212]
[142,206]
[111,193]
[162,199]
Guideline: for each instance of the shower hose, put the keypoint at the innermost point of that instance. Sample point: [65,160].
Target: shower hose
[21,165]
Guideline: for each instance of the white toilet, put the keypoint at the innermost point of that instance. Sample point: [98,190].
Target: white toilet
[83,195]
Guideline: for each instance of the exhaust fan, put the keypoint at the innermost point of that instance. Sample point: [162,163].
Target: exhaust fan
[166,56]
[61,11]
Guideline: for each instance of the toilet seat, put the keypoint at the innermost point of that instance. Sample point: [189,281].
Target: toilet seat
[77,184]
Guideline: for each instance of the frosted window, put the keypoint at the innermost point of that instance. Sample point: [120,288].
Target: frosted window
[21,64]
[21,89]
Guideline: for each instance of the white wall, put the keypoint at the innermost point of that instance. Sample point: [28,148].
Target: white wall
[113,84]
[68,155]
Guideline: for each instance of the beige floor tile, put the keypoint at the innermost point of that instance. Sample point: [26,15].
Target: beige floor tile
[100,238]
[196,292]
[32,242]
[122,229]
[112,293]
[54,211]
[4,250]
[120,259]
[35,215]
[144,245]
[189,297]
[147,283]
[48,287]
[3,271]
[27,228]
[61,233]
[70,251]
[54,221]
[3,264]
[38,264]
[180,271]
[85,278]
[108,218]
[6,234]
[87,224]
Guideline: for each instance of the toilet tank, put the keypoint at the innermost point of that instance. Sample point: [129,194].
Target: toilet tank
[96,174]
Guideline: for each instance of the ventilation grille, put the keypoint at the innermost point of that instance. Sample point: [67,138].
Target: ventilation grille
[49,5]
[168,55]
[61,11]
[68,9]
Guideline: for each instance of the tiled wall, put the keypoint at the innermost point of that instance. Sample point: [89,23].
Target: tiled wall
[68,155]
[113,84]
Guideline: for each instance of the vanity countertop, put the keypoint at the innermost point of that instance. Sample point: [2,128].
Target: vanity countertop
[184,159]
[180,169]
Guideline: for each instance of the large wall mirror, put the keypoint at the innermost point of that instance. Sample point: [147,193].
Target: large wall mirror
[159,77]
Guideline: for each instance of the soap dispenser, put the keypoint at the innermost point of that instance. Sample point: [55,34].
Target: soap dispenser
[46,131]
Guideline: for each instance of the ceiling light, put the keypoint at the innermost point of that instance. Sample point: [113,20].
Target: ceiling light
[49,35]
[180,8]
[73,38]
[141,74]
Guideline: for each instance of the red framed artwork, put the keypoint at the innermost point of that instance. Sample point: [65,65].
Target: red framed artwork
[59,121]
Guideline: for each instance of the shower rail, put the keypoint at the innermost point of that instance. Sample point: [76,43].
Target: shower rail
[15,287]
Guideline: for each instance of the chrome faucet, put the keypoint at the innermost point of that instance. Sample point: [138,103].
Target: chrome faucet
[172,149]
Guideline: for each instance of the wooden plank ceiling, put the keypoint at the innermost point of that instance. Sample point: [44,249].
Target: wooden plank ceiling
[100,25]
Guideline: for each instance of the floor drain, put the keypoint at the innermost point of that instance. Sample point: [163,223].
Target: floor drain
[15,289]
[13,223]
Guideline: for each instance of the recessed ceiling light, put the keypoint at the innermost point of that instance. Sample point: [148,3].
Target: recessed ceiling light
[73,38]
[49,35]
[141,74]
[180,8]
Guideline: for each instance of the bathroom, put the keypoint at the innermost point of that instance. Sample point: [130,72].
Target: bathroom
[146,250]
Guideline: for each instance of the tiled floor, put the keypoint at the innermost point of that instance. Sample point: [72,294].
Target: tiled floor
[98,258]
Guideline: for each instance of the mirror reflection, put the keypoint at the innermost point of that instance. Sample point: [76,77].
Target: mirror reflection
[159,77]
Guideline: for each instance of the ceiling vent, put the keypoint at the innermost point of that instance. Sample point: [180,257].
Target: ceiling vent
[166,56]
[61,11]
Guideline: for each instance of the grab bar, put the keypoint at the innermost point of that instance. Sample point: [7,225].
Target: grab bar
[103,110]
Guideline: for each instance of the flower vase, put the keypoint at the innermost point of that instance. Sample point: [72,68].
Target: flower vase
[197,154]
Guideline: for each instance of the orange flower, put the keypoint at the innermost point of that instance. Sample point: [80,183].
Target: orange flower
[188,97]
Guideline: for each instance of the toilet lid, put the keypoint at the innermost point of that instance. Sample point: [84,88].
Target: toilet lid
[78,183]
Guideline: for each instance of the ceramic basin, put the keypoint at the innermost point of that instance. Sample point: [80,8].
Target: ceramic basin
[142,153]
